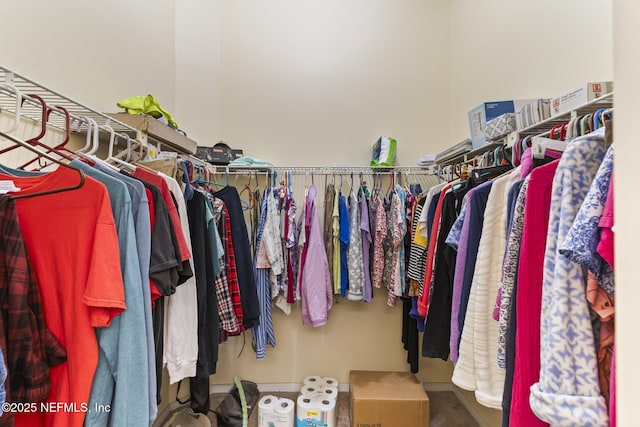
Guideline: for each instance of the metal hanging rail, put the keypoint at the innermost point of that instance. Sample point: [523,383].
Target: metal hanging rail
[32,110]
[324,170]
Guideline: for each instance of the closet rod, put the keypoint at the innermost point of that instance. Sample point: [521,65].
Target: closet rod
[324,170]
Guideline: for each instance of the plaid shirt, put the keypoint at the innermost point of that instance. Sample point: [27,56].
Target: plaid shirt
[29,347]
[227,287]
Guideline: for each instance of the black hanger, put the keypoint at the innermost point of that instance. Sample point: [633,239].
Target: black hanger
[484,174]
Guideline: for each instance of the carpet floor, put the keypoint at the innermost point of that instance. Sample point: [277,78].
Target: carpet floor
[446,410]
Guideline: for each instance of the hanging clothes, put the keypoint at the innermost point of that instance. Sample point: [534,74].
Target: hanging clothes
[529,293]
[142,225]
[423,300]
[243,259]
[208,316]
[263,333]
[22,308]
[395,237]
[291,253]
[354,254]
[329,200]
[365,232]
[181,315]
[380,216]
[93,288]
[315,282]
[465,262]
[121,377]
[476,369]
[516,205]
[438,322]
[345,234]
[568,391]
[336,261]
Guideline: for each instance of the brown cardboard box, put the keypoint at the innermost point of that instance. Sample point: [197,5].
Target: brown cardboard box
[387,399]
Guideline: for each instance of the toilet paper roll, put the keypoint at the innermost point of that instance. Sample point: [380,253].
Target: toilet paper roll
[310,390]
[328,382]
[328,393]
[312,380]
[316,412]
[267,403]
[285,409]
[275,412]
[328,409]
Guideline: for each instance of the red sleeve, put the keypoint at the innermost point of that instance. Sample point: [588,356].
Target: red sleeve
[104,293]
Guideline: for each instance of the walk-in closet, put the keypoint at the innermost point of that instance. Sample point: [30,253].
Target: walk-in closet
[319,214]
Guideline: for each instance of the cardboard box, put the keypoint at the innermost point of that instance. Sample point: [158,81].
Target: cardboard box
[533,113]
[582,95]
[387,399]
[479,116]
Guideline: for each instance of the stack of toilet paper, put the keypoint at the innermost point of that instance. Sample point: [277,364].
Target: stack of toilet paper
[275,412]
[317,402]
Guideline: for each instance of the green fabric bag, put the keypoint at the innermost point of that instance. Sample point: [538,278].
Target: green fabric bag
[384,152]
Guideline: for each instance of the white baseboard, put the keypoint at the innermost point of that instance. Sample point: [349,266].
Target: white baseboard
[271,387]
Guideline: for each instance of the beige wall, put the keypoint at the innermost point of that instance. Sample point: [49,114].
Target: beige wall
[95,52]
[510,49]
[197,72]
[627,70]
[316,83]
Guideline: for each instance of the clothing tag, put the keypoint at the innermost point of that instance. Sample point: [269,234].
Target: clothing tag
[7,186]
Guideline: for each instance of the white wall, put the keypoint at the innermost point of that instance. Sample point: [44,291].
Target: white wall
[197,78]
[627,206]
[316,83]
[510,49]
[95,53]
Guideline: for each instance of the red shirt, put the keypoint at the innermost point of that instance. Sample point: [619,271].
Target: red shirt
[423,300]
[529,294]
[72,243]
[158,181]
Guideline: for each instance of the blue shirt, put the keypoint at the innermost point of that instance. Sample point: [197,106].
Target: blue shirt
[121,379]
[344,244]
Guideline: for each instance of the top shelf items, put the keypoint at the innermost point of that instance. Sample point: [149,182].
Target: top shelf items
[605,101]
[142,128]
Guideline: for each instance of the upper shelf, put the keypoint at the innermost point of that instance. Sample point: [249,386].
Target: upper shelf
[32,110]
[141,127]
[605,101]
[157,131]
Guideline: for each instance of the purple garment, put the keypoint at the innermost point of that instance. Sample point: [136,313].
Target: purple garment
[366,246]
[315,282]
[454,337]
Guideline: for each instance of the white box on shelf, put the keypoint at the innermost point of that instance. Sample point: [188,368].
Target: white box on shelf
[533,113]
[582,95]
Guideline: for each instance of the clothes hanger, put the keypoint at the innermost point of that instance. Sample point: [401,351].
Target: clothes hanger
[118,161]
[247,188]
[45,113]
[584,125]
[62,145]
[17,108]
[597,116]
[32,148]
[542,144]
